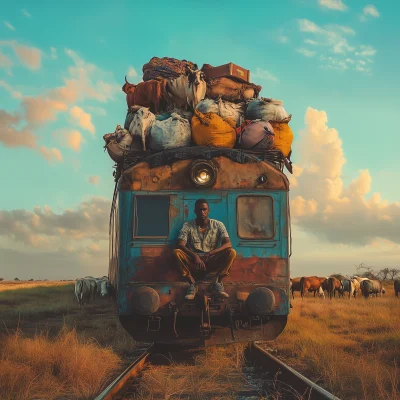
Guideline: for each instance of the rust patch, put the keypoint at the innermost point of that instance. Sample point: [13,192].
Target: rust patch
[230,175]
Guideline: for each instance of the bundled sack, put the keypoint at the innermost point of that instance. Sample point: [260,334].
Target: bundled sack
[231,90]
[117,143]
[224,109]
[149,94]
[256,135]
[140,127]
[170,133]
[283,136]
[186,90]
[266,109]
[166,67]
[184,114]
[209,129]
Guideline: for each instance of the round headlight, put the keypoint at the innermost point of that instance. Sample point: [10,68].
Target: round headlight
[203,173]
[145,300]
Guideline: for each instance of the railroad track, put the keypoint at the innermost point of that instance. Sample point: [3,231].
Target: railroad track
[266,377]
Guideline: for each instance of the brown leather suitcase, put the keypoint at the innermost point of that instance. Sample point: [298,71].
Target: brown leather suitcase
[228,70]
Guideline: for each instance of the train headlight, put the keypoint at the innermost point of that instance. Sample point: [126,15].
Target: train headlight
[145,301]
[203,173]
[261,301]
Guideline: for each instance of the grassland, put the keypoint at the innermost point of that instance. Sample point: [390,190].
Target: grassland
[351,347]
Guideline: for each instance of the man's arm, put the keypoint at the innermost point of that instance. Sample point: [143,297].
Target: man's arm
[181,245]
[226,244]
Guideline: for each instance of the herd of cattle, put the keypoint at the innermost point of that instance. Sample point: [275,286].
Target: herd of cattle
[349,287]
[88,288]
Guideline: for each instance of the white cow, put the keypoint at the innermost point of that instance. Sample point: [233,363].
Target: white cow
[103,286]
[321,293]
[85,290]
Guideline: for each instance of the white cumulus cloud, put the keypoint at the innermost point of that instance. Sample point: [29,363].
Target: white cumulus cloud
[337,5]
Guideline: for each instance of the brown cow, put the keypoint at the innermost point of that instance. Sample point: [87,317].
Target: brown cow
[396,285]
[334,285]
[150,94]
[295,285]
[310,284]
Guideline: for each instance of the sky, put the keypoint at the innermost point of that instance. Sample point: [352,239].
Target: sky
[333,63]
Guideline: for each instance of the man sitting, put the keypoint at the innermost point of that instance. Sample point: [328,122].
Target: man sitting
[204,248]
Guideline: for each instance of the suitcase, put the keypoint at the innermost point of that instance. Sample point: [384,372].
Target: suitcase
[228,70]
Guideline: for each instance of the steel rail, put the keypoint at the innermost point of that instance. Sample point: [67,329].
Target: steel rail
[305,387]
[118,383]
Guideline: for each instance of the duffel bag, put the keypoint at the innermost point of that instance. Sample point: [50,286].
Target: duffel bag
[225,109]
[283,136]
[170,133]
[266,109]
[256,135]
[231,90]
[210,129]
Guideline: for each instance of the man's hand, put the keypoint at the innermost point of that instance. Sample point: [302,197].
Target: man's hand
[205,257]
[200,265]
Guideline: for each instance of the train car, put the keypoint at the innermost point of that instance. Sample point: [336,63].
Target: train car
[154,196]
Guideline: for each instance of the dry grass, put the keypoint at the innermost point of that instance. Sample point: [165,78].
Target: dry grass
[216,370]
[40,367]
[14,285]
[352,347]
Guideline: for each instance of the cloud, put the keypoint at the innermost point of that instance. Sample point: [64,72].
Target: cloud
[132,72]
[50,155]
[10,136]
[70,231]
[74,140]
[14,93]
[82,118]
[99,111]
[283,39]
[333,4]
[369,11]
[335,38]
[366,51]
[40,110]
[94,180]
[5,62]
[29,56]
[264,74]
[9,26]
[26,13]
[306,52]
[322,205]
[53,53]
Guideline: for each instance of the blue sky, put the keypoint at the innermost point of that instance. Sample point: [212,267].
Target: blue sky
[62,67]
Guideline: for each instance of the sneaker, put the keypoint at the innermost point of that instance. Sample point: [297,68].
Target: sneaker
[218,288]
[191,292]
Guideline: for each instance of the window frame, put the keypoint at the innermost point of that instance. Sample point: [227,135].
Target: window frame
[273,219]
[135,218]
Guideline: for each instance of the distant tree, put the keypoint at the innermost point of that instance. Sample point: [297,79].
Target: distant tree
[383,273]
[16,279]
[365,271]
[393,273]
[1,279]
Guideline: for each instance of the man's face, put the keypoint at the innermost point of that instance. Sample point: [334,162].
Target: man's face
[201,211]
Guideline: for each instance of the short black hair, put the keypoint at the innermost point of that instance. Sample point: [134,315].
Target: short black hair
[201,201]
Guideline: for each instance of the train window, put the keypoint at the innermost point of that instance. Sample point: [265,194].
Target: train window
[151,217]
[255,217]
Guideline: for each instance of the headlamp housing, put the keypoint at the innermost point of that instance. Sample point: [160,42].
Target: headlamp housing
[203,173]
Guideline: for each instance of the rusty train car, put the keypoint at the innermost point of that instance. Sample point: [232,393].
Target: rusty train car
[154,196]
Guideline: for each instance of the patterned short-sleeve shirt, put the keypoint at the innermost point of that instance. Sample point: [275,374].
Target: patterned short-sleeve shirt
[199,242]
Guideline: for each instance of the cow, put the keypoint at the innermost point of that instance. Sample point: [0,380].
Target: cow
[321,293]
[85,290]
[310,284]
[151,94]
[187,90]
[334,285]
[103,286]
[295,285]
[370,287]
[396,285]
[348,286]
[356,285]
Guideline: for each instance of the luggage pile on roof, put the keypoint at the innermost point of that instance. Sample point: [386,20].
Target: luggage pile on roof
[178,105]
